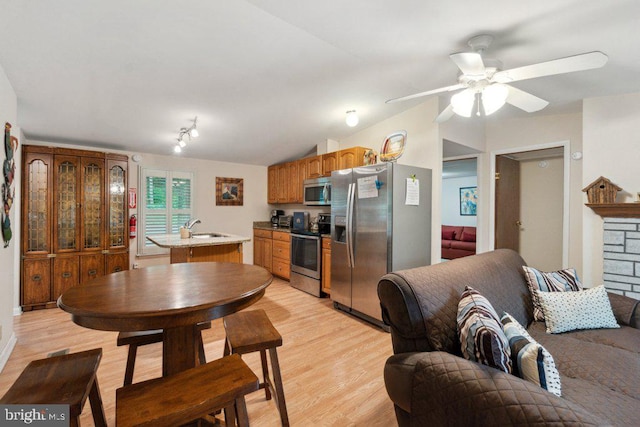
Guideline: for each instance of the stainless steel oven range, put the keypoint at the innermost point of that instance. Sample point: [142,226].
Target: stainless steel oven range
[305,262]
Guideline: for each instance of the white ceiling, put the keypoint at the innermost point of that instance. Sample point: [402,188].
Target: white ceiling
[270,79]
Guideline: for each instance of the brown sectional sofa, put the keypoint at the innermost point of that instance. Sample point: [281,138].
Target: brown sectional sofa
[458,241]
[431,384]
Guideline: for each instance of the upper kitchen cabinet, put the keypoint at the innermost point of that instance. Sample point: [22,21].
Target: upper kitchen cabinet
[285,180]
[74,220]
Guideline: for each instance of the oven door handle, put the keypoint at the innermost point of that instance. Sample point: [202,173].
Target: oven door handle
[349,240]
[304,236]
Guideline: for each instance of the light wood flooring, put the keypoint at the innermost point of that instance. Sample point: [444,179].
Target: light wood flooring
[331,362]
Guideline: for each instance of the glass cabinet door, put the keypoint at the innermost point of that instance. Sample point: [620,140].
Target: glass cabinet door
[66,235]
[37,202]
[92,203]
[117,204]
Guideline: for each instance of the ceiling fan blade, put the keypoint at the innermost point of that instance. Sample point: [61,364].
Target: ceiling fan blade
[470,63]
[429,92]
[446,114]
[584,61]
[524,100]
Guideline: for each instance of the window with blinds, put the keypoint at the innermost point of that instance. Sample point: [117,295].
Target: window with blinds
[167,203]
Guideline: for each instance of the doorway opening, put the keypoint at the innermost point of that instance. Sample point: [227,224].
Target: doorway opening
[530,204]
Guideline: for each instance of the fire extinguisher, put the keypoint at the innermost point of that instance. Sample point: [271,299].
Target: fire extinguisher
[132,226]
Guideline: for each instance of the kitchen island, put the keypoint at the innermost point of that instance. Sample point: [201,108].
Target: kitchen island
[202,247]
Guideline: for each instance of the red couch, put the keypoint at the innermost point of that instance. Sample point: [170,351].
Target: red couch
[458,241]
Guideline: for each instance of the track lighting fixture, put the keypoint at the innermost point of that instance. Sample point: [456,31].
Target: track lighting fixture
[190,132]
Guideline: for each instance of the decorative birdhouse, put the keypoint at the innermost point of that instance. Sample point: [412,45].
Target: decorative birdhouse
[601,191]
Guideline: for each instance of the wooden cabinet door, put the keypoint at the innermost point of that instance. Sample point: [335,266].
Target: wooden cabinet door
[272,184]
[91,266]
[329,163]
[92,213]
[116,262]
[314,166]
[117,208]
[326,265]
[66,270]
[36,281]
[350,158]
[66,204]
[282,189]
[37,197]
[302,175]
[293,186]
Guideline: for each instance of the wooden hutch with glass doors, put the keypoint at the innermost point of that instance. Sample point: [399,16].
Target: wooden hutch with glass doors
[74,220]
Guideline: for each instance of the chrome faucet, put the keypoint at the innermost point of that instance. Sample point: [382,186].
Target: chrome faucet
[189,224]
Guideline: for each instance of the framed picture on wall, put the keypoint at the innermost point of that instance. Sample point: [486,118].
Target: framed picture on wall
[468,200]
[229,191]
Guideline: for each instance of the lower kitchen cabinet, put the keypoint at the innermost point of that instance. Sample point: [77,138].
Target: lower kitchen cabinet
[326,265]
[36,281]
[271,250]
[282,254]
[262,248]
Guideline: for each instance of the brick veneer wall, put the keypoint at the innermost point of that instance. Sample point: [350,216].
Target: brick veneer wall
[622,256]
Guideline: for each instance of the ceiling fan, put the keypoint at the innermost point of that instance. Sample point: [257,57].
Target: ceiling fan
[485,85]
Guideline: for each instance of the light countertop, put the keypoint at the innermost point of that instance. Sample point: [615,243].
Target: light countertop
[174,240]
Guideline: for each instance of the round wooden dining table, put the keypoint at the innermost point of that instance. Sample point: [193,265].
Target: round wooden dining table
[174,298]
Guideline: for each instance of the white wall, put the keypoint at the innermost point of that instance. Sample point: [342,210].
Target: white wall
[9,256]
[451,201]
[611,149]
[531,131]
[541,201]
[423,148]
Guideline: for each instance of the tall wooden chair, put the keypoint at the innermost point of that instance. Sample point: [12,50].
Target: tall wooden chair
[250,331]
[66,380]
[188,395]
[140,338]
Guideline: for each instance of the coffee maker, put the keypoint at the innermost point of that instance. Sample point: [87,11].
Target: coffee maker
[275,216]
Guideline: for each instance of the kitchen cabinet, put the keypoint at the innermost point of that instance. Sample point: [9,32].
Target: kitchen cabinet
[262,248]
[271,250]
[285,180]
[329,163]
[326,265]
[281,254]
[74,220]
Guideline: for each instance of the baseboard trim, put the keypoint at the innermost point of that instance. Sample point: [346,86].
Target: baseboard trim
[7,350]
[17,311]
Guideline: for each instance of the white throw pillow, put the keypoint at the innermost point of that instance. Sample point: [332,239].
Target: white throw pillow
[567,311]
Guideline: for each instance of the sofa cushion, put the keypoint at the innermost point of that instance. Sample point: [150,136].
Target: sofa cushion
[530,360]
[481,336]
[467,246]
[447,234]
[625,337]
[555,281]
[568,311]
[468,236]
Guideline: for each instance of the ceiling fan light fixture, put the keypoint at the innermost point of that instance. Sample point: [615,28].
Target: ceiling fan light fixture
[177,149]
[462,102]
[494,97]
[352,118]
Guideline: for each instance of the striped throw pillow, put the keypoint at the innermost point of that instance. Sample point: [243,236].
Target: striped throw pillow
[481,336]
[531,361]
[554,281]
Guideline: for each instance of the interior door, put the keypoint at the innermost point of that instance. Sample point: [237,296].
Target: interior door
[507,215]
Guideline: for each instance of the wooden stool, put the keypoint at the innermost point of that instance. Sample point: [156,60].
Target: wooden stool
[63,380]
[250,331]
[188,395]
[140,338]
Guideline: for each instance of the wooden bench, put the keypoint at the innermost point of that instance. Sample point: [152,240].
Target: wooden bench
[250,331]
[140,338]
[188,395]
[66,380]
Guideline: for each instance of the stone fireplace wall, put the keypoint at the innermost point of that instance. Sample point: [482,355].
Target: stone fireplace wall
[622,256]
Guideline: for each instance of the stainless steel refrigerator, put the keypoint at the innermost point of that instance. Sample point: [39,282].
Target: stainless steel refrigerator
[381,222]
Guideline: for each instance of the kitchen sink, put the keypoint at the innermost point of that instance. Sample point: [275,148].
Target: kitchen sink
[207,235]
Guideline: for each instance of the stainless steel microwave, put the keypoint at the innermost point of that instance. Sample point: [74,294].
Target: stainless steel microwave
[317,191]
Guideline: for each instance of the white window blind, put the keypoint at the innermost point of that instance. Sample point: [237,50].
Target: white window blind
[167,203]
